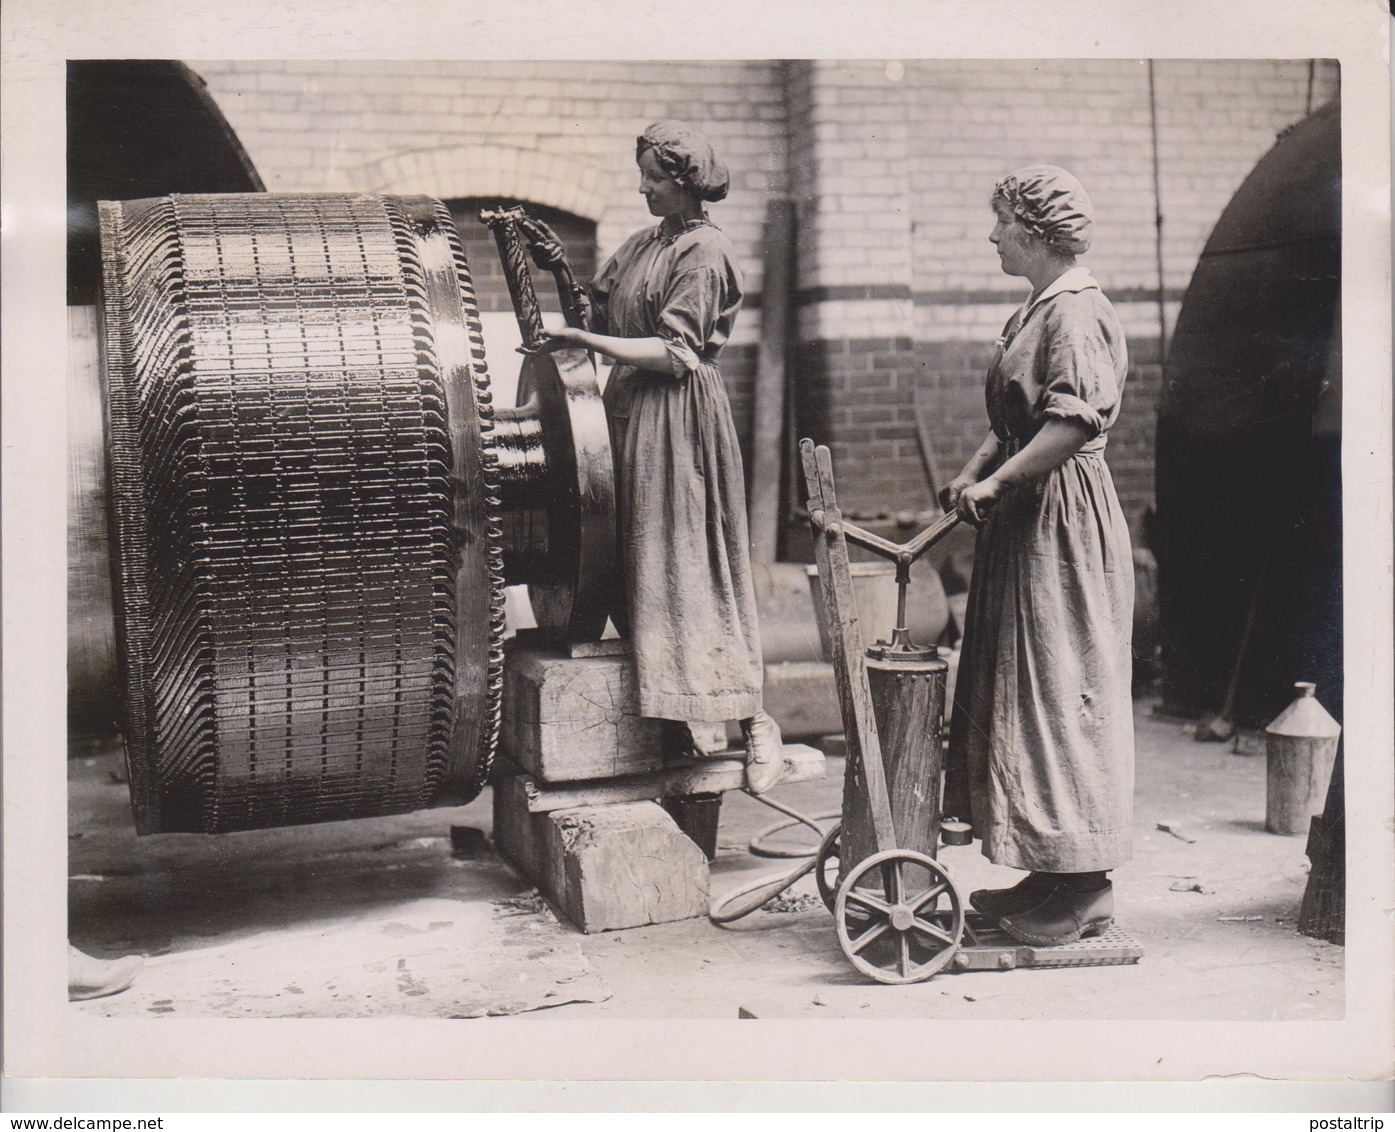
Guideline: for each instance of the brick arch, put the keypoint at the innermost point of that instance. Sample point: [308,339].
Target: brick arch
[571,183]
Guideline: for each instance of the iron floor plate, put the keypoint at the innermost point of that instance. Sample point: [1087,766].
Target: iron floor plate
[995,950]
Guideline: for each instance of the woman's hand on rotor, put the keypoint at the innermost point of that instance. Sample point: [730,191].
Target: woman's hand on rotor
[564,338]
[976,500]
[543,243]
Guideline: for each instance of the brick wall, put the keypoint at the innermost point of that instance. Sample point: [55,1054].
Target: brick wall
[557,133]
[963,124]
[891,165]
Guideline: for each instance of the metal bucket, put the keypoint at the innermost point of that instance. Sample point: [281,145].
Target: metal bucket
[874,591]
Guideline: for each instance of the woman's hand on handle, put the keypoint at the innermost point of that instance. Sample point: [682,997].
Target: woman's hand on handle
[1053,445]
[977,499]
[986,456]
[950,493]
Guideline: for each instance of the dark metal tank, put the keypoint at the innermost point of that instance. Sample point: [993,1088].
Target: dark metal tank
[1249,526]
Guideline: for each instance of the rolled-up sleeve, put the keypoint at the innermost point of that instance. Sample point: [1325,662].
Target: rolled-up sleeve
[1081,381]
[690,322]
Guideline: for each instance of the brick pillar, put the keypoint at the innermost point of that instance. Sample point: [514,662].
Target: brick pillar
[851,176]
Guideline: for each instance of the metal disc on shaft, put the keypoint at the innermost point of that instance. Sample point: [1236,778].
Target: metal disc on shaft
[574,584]
[308,550]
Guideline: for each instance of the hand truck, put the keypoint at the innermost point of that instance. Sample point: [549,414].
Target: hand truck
[898,915]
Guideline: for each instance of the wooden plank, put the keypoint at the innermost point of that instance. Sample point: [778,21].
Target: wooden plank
[845,635]
[927,450]
[803,696]
[712,775]
[608,646]
[517,833]
[765,1008]
[763,492]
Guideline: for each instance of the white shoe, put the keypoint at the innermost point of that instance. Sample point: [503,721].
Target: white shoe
[765,755]
[89,977]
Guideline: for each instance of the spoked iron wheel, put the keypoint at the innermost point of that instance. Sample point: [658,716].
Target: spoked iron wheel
[899,917]
[826,865]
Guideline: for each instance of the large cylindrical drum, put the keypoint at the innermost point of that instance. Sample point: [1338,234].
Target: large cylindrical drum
[309,572]
[94,705]
[908,698]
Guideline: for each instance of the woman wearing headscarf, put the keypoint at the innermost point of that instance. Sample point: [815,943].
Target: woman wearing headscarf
[1041,735]
[663,307]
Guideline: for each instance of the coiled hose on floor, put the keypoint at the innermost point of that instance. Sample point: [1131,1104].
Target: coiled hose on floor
[756,894]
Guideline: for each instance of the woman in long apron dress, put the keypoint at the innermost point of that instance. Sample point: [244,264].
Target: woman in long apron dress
[1041,735]
[663,307]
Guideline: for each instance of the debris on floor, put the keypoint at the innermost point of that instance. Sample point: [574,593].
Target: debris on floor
[531,903]
[463,962]
[1173,828]
[791,902]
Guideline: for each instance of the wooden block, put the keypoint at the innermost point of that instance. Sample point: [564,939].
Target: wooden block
[706,776]
[765,1008]
[698,816]
[623,866]
[612,646]
[568,719]
[803,698]
[518,833]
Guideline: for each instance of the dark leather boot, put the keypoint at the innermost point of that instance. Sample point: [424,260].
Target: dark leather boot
[1063,917]
[1026,894]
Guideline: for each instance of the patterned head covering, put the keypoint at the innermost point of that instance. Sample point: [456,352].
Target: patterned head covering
[1051,204]
[686,155]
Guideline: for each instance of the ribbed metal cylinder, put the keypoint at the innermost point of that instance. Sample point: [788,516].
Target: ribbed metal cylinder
[308,545]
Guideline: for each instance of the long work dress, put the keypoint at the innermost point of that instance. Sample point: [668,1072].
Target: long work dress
[689,599]
[1041,736]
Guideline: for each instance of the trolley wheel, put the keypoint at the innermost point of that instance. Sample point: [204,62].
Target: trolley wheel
[826,865]
[899,916]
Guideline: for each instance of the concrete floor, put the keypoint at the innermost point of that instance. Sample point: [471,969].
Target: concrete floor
[377,917]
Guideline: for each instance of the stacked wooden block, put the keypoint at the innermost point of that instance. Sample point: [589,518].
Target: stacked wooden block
[584,805]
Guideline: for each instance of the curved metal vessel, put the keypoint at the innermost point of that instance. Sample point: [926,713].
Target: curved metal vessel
[1249,446]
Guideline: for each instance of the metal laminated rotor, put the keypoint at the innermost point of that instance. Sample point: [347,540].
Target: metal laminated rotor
[309,538]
